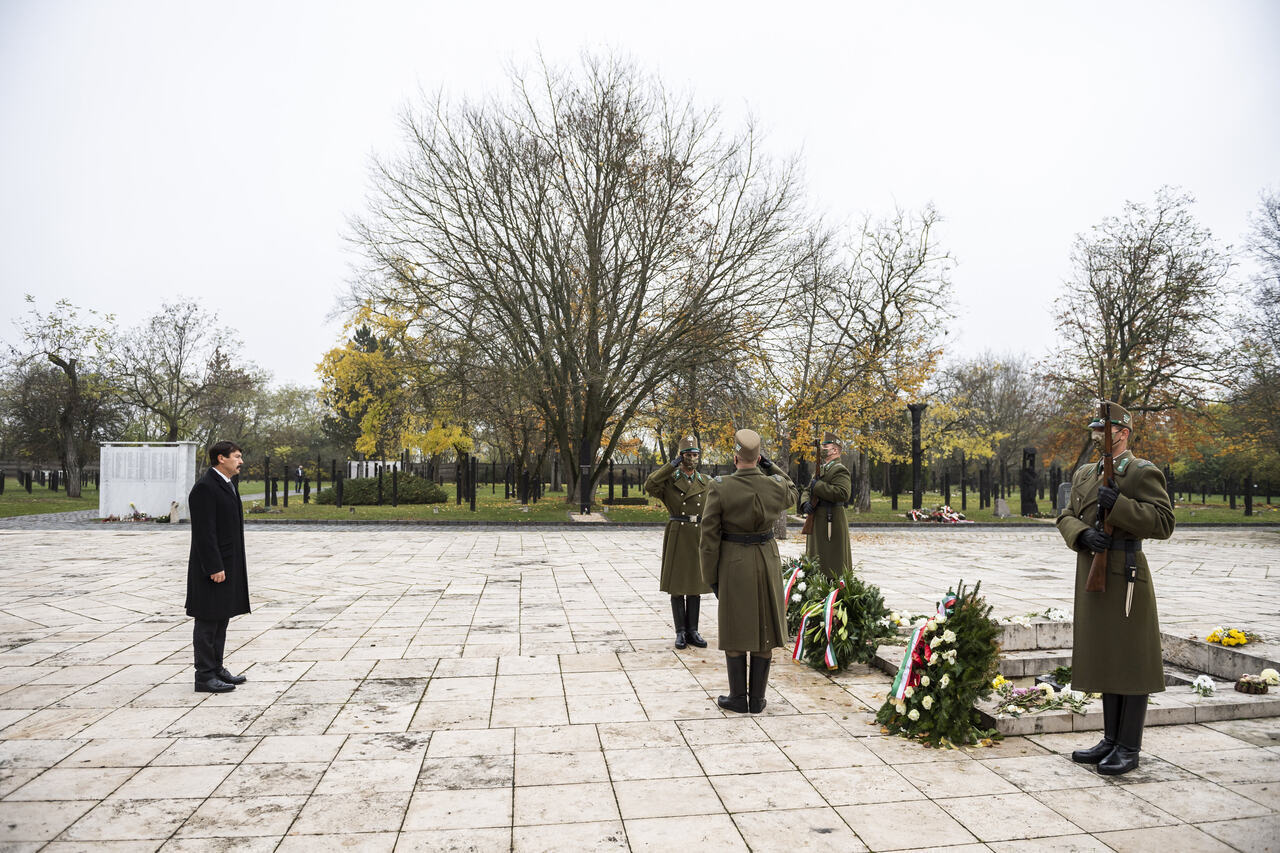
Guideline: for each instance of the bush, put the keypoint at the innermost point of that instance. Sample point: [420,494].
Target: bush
[956,657]
[363,491]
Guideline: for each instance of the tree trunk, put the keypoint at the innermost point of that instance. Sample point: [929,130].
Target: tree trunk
[862,495]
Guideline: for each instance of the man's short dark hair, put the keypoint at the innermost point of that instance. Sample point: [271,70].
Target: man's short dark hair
[222,448]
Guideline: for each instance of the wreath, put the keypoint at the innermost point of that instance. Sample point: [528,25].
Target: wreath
[836,621]
[948,666]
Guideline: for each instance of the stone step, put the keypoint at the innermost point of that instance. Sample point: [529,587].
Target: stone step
[1178,705]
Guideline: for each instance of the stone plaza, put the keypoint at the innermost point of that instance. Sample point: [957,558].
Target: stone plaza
[491,689]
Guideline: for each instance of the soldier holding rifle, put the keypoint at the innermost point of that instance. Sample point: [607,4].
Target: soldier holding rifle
[1115,504]
[740,563]
[683,490]
[826,529]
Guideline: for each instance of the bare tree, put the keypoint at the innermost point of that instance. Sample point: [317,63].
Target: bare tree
[859,328]
[74,342]
[1141,320]
[592,232]
[178,366]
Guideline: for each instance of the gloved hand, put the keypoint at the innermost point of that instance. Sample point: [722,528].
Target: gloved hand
[1107,496]
[765,462]
[1095,540]
[715,590]
[806,508]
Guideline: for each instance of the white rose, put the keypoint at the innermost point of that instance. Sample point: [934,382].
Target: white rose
[802,586]
[924,679]
[950,656]
[909,692]
[900,707]
[946,679]
[927,702]
[914,715]
[930,625]
[948,636]
[799,574]
[940,618]
[795,596]
[933,644]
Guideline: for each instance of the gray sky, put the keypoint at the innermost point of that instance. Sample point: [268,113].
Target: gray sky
[157,149]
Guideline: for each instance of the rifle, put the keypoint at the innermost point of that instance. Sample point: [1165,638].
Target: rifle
[813,506]
[1097,580]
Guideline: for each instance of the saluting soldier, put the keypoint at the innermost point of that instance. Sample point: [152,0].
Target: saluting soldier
[825,497]
[683,489]
[740,563]
[1116,653]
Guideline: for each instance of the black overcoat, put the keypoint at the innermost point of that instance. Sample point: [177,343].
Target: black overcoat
[217,545]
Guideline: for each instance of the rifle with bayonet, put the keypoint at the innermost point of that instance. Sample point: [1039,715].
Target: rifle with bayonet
[1097,579]
[813,501]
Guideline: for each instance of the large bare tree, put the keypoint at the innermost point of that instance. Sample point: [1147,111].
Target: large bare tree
[1142,320]
[178,365]
[592,231]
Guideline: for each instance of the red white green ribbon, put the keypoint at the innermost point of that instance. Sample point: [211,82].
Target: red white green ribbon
[791,581]
[797,653]
[918,652]
[828,620]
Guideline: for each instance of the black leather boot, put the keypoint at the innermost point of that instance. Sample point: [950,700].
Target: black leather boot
[692,604]
[759,681]
[1133,716]
[678,616]
[736,701]
[1110,725]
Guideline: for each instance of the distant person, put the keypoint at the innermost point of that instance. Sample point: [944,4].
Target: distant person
[824,498]
[739,559]
[683,490]
[217,579]
[297,479]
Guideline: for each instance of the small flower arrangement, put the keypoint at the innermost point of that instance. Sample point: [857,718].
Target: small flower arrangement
[1019,701]
[942,514]
[1230,636]
[1204,686]
[948,666]
[1254,684]
[1271,677]
[1052,614]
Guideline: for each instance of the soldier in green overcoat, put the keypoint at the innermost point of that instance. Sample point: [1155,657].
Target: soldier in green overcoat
[740,563]
[825,497]
[1115,654]
[683,489]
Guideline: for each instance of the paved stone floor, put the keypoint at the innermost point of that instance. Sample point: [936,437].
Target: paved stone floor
[418,689]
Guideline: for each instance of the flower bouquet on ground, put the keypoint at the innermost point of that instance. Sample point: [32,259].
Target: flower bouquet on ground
[1017,701]
[942,514]
[949,665]
[1230,636]
[835,622]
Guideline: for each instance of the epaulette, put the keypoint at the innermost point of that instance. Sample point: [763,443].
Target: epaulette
[1143,463]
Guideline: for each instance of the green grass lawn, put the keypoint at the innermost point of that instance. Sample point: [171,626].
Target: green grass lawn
[491,506]
[16,501]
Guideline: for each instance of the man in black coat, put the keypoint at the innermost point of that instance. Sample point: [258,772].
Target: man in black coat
[217,580]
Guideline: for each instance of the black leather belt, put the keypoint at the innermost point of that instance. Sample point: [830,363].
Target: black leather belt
[747,538]
[684,518]
[1126,544]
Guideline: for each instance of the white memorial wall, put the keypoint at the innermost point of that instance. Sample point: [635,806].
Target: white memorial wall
[147,477]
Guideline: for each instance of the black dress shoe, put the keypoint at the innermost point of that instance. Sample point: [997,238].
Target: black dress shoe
[1095,753]
[214,685]
[231,679]
[681,641]
[1121,760]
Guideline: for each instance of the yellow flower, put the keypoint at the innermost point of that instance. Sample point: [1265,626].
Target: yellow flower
[999,681]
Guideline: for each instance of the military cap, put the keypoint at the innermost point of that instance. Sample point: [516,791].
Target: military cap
[689,443]
[1119,416]
[830,438]
[746,443]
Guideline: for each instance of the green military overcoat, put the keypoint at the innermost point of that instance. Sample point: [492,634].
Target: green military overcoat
[682,495]
[833,488]
[752,613]
[1112,653]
